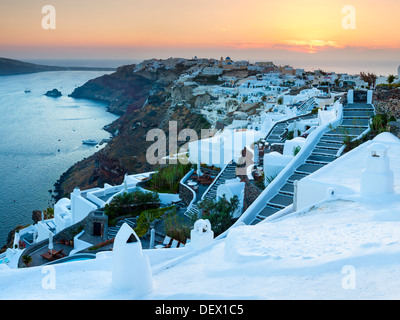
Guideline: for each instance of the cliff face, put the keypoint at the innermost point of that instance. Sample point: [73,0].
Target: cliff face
[122,90]
[145,100]
[387,101]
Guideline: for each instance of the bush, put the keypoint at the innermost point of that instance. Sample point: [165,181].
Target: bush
[290,135]
[296,150]
[379,122]
[26,259]
[176,227]
[147,217]
[131,203]
[219,213]
[167,178]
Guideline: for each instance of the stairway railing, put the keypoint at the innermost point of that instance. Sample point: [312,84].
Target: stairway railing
[215,180]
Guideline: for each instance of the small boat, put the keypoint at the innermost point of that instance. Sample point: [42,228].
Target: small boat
[27,90]
[90,142]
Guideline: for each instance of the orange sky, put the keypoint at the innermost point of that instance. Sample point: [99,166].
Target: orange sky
[159,26]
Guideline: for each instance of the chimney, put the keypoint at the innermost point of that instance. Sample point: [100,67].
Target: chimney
[74,195]
[130,267]
[201,234]
[377,178]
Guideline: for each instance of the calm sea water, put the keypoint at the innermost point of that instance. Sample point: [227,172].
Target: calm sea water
[40,138]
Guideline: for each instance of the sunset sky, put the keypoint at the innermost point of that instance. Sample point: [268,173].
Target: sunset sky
[298,30]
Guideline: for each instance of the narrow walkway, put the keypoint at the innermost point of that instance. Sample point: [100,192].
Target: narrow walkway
[229,172]
[279,131]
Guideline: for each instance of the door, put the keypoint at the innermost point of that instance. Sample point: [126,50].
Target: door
[97,229]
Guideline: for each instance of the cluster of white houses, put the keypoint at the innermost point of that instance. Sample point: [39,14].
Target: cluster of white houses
[268,86]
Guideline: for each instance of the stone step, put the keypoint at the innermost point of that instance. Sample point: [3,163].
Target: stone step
[358,114]
[256,221]
[329,145]
[359,106]
[266,212]
[280,201]
[347,131]
[287,188]
[308,168]
[274,137]
[296,176]
[334,139]
[355,123]
[324,151]
[278,131]
[320,159]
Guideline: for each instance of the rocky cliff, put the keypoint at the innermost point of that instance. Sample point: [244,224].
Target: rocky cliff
[387,101]
[145,99]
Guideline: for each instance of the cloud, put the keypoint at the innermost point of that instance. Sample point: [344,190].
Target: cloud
[311,46]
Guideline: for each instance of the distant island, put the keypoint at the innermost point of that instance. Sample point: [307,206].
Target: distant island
[14,67]
[53,93]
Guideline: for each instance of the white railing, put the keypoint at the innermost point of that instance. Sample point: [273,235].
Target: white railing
[182,182]
[215,180]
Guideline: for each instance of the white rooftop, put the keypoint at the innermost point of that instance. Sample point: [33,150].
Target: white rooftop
[315,254]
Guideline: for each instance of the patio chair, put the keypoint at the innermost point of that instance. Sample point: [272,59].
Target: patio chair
[174,244]
[165,243]
[60,254]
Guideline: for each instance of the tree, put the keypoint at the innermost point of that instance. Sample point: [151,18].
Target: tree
[391,78]
[370,78]
[219,212]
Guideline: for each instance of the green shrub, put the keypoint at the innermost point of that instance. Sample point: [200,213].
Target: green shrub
[296,150]
[176,227]
[131,203]
[167,178]
[26,259]
[271,178]
[315,110]
[379,123]
[219,213]
[148,216]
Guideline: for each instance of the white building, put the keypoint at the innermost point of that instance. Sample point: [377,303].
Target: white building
[344,176]
[230,189]
[222,148]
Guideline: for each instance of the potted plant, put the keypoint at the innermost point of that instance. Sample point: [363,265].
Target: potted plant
[26,259]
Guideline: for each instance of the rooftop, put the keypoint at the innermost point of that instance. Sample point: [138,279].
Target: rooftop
[302,256]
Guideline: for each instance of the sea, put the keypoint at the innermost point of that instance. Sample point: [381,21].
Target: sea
[41,137]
